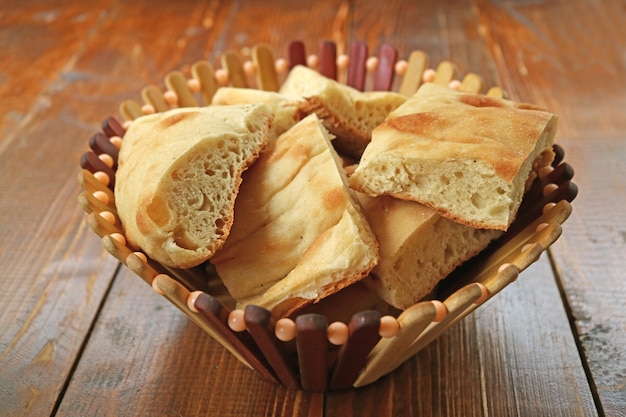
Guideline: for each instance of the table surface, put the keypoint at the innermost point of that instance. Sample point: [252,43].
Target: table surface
[82,336]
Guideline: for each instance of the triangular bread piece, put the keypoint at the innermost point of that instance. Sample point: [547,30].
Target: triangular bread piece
[417,246]
[468,156]
[299,234]
[178,175]
[346,112]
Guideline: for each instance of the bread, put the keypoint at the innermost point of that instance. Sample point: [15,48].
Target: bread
[417,247]
[299,234]
[285,116]
[178,175]
[347,113]
[468,156]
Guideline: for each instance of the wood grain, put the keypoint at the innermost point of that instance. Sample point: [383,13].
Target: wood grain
[54,273]
[589,257]
[42,39]
[159,363]
[530,349]
[80,337]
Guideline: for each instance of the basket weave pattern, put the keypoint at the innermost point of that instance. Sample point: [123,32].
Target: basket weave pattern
[309,361]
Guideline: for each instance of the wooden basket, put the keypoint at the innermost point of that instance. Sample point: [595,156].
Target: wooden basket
[298,353]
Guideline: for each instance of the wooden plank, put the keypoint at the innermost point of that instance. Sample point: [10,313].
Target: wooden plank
[441,380]
[589,257]
[146,358]
[38,40]
[513,341]
[590,261]
[54,272]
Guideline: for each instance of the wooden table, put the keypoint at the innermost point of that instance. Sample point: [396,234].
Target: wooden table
[81,336]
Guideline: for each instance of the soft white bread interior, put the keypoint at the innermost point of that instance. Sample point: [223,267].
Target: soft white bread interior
[285,116]
[178,175]
[417,247]
[468,156]
[299,234]
[347,113]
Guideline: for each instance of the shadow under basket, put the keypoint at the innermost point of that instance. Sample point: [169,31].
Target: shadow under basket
[316,351]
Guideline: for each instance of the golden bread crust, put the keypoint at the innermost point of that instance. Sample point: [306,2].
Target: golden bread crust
[467,156]
[299,234]
[178,176]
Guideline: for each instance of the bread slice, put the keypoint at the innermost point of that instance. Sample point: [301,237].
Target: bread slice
[417,246]
[468,156]
[285,116]
[299,234]
[347,113]
[178,175]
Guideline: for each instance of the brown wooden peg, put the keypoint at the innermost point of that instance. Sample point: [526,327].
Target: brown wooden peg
[385,72]
[100,144]
[328,59]
[217,314]
[112,127]
[559,154]
[92,163]
[312,345]
[363,329]
[260,325]
[296,54]
[561,173]
[356,66]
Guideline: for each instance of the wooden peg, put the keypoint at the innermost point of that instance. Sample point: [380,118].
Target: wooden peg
[416,65]
[382,358]
[296,54]
[328,59]
[446,71]
[266,76]
[203,72]
[356,65]
[363,336]
[233,66]
[153,96]
[472,83]
[386,70]
[217,315]
[261,324]
[312,348]
[177,83]
[130,109]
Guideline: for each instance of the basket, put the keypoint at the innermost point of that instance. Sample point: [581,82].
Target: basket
[315,352]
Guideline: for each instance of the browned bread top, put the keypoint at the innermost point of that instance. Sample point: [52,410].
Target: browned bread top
[299,234]
[467,156]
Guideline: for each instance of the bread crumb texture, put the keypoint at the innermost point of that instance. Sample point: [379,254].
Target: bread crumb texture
[179,173]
